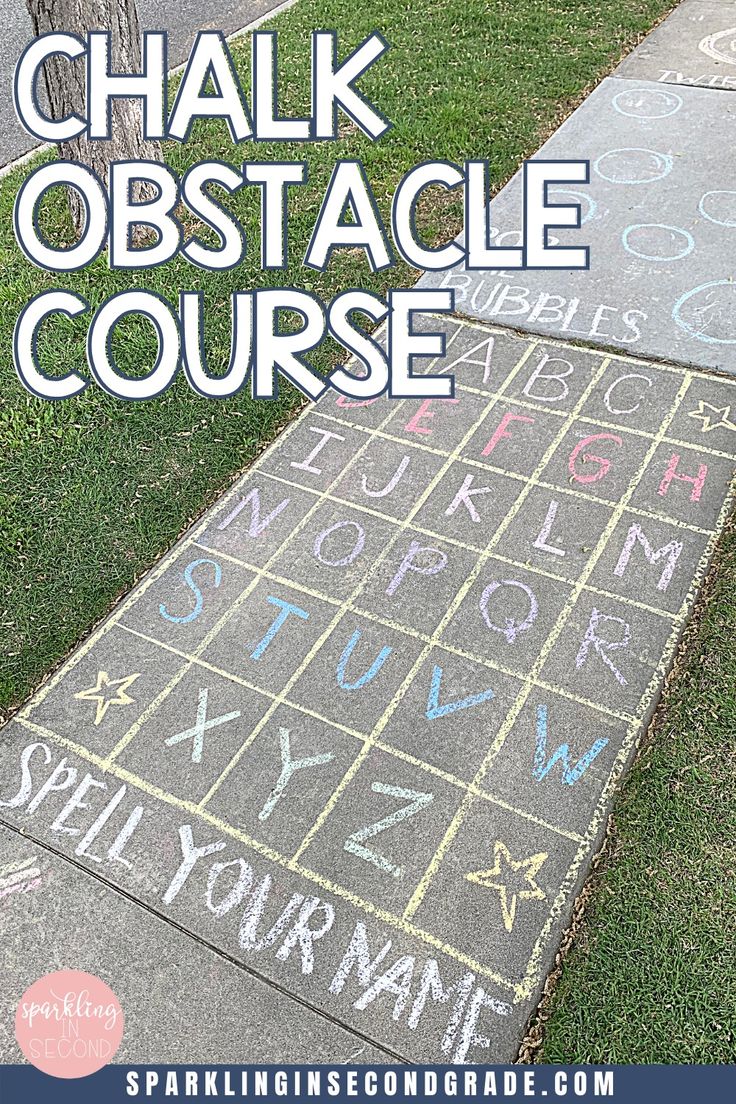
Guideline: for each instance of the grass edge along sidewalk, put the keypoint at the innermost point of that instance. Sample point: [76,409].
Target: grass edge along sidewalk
[648,973]
[133,477]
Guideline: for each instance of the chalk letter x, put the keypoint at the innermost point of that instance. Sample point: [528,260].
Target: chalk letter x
[196,734]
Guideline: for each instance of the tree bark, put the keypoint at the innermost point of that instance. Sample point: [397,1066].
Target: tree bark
[64,83]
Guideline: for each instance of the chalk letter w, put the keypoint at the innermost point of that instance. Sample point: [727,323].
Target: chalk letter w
[542,766]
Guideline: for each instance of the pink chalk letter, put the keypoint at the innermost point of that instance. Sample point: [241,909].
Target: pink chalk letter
[603,462]
[696,481]
[348,404]
[414,424]
[501,431]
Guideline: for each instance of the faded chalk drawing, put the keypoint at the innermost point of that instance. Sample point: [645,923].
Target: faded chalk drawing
[647,103]
[21,876]
[633,166]
[720,46]
[388,686]
[655,241]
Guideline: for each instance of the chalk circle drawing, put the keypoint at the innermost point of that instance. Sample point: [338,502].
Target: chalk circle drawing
[719,206]
[20,877]
[633,165]
[656,241]
[646,103]
[588,206]
[720,46]
[708,312]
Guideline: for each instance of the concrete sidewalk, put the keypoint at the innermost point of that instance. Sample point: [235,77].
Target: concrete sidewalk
[174,990]
[360,731]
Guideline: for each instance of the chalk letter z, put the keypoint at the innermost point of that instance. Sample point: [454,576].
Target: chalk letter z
[570,774]
[416,802]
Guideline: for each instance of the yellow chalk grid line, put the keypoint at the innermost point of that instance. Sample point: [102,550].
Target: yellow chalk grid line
[177,551]
[443,645]
[454,649]
[521,990]
[449,614]
[585,496]
[533,971]
[229,613]
[560,343]
[347,605]
[206,521]
[149,579]
[397,753]
[559,412]
[545,651]
[472,548]
[270,853]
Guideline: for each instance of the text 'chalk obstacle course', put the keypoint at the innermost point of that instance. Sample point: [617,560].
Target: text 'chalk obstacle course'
[362,726]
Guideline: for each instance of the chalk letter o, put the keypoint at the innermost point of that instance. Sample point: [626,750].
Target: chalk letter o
[352,555]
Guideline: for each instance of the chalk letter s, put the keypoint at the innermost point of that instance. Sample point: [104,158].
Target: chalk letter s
[198,599]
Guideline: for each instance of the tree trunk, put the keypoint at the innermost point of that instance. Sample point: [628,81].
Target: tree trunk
[65,86]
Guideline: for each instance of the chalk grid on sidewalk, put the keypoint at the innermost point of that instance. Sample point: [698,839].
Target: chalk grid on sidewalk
[381,696]
[407,658]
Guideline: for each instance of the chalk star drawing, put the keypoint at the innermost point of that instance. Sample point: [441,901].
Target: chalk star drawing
[722,422]
[104,682]
[501,877]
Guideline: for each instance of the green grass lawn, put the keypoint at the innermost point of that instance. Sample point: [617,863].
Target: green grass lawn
[651,976]
[93,490]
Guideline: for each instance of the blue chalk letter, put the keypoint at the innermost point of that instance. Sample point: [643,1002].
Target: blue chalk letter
[198,599]
[570,775]
[285,609]
[372,671]
[434,709]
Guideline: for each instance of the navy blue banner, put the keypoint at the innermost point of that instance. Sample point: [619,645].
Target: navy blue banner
[373,1084]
